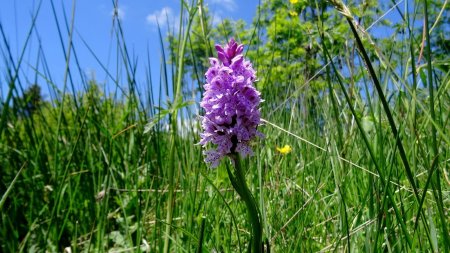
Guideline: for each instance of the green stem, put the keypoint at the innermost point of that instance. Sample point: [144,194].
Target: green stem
[254,216]
[436,184]
[173,118]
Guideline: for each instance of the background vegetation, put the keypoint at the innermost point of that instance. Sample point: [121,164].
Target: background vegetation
[367,118]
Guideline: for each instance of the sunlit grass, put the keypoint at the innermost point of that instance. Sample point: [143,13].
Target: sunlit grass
[82,170]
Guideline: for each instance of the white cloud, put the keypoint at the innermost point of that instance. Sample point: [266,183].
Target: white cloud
[162,16]
[229,5]
[119,12]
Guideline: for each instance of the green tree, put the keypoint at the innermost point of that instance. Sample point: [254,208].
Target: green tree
[29,102]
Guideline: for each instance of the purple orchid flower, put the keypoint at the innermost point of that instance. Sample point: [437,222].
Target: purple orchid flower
[231,105]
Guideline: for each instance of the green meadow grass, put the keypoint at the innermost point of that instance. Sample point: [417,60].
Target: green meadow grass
[98,171]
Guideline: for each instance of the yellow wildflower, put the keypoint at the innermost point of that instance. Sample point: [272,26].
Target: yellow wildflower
[294,1]
[293,13]
[284,150]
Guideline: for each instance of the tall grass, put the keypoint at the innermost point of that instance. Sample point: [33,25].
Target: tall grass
[368,169]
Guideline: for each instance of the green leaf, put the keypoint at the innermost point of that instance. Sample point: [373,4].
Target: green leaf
[368,123]
[163,113]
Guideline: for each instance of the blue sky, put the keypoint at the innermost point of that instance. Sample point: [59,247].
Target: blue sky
[93,23]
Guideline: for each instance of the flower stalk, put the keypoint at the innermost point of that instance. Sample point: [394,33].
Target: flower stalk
[254,216]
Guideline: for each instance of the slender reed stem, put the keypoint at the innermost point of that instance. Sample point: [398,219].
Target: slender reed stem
[436,184]
[173,118]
